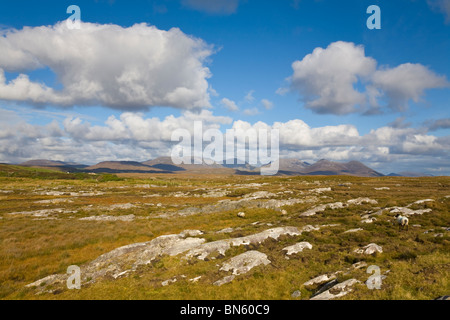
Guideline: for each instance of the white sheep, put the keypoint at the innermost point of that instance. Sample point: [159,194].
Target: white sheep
[241,214]
[402,222]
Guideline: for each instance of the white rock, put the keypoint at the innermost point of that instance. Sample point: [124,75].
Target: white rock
[337,291]
[320,279]
[369,249]
[360,201]
[354,230]
[298,247]
[241,214]
[244,262]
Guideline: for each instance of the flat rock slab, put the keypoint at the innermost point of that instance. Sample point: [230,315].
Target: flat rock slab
[369,249]
[298,247]
[337,291]
[221,246]
[244,262]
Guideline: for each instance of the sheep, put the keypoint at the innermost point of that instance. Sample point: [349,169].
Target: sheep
[241,214]
[402,222]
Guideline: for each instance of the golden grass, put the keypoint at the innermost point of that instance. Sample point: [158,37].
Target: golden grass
[32,248]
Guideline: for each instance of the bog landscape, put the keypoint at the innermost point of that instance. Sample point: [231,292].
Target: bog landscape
[216,233]
[224,150]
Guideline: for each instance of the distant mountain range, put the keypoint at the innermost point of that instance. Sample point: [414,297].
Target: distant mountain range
[292,167]
[165,165]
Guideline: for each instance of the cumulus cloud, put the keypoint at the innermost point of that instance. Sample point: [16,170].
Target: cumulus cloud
[225,7]
[251,111]
[122,68]
[438,124]
[267,104]
[133,136]
[326,78]
[249,96]
[406,82]
[327,81]
[229,104]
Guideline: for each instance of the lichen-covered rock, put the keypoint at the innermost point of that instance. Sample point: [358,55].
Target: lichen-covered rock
[244,262]
[320,279]
[369,249]
[298,247]
[337,291]
[221,246]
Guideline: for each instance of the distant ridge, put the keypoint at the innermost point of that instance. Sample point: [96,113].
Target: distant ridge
[287,166]
[326,168]
[54,165]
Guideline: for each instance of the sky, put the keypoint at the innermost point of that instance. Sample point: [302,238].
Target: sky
[117,86]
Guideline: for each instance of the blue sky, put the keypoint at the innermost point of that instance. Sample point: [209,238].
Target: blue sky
[249,49]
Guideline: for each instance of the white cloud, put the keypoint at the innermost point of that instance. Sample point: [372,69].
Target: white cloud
[267,104]
[229,104]
[123,68]
[213,6]
[251,111]
[442,6]
[406,82]
[249,96]
[327,80]
[132,136]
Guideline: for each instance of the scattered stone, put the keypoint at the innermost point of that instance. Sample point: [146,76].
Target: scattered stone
[42,213]
[226,230]
[420,202]
[322,207]
[309,228]
[123,206]
[241,214]
[354,230]
[369,249]
[407,211]
[54,201]
[359,265]
[194,280]
[296,294]
[382,188]
[191,233]
[127,218]
[320,190]
[167,282]
[325,287]
[360,201]
[298,247]
[283,212]
[320,279]
[259,195]
[230,205]
[244,262]
[337,291]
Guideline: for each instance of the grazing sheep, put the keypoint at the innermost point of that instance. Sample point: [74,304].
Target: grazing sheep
[402,222]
